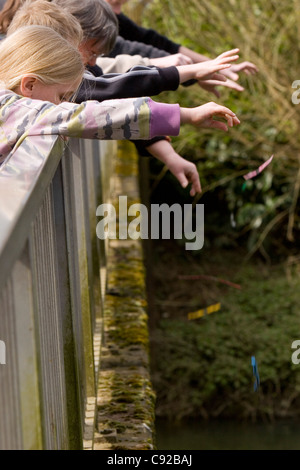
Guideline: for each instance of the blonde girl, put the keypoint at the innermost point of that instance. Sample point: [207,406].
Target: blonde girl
[37,56]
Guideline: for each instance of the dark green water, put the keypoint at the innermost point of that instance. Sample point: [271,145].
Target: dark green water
[224,435]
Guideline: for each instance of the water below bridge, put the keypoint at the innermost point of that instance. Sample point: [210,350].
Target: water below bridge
[227,435]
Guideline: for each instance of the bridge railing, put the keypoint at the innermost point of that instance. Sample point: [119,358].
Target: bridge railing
[52,284]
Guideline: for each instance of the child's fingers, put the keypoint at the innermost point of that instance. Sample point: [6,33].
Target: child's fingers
[220,66]
[190,175]
[215,92]
[218,125]
[186,174]
[194,179]
[224,126]
[228,53]
[231,120]
[182,179]
[228,83]
[212,72]
[249,66]
[210,86]
[206,70]
[220,110]
[217,76]
[196,185]
[231,75]
[236,121]
[225,60]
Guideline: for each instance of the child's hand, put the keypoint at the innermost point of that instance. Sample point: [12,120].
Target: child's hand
[208,69]
[232,76]
[248,67]
[186,173]
[203,116]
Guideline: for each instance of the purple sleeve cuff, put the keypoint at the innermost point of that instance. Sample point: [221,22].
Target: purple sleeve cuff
[164,119]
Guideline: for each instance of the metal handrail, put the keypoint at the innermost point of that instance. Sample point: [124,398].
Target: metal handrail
[51,294]
[24,178]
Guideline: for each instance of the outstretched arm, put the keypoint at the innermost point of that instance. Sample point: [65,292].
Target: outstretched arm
[149,81]
[138,81]
[126,119]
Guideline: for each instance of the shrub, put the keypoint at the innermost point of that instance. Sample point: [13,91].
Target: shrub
[268,34]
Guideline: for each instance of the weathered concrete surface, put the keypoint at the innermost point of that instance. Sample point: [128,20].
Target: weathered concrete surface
[125,397]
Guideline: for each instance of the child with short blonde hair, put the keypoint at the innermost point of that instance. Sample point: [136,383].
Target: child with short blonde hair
[50,58]
[44,13]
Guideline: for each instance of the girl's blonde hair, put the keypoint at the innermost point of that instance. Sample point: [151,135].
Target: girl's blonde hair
[41,52]
[42,12]
[7,13]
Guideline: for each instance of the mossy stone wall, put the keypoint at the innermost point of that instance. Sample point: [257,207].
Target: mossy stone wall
[126,400]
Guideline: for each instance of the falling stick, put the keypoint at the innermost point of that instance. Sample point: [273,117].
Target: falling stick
[232,221]
[254,173]
[255,374]
[204,311]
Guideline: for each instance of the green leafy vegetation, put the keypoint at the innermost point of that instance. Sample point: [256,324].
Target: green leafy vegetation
[202,368]
[267,34]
